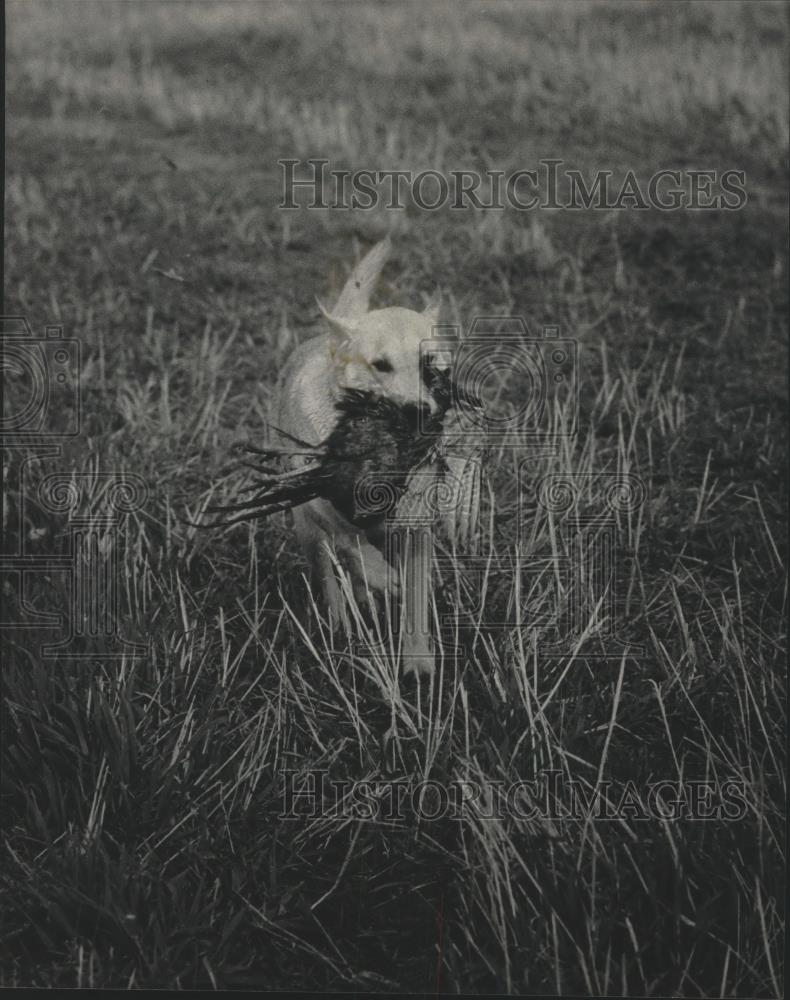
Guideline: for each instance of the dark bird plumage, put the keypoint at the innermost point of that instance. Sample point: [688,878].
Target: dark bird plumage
[373,435]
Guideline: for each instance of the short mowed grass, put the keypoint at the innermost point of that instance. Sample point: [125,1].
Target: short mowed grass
[143,843]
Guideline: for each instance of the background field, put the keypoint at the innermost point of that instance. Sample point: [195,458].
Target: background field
[141,841]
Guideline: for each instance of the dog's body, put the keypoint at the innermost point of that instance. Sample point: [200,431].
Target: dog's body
[377,352]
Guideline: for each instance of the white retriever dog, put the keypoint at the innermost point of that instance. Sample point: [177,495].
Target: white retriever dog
[377,355]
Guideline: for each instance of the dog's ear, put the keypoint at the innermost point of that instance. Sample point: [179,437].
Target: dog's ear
[354,300]
[431,311]
[339,328]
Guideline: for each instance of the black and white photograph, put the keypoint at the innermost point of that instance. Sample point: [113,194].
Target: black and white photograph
[395,496]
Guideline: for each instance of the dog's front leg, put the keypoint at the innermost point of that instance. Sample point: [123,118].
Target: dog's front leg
[368,572]
[333,595]
[371,573]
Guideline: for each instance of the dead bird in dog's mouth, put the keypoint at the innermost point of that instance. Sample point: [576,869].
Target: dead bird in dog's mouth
[373,437]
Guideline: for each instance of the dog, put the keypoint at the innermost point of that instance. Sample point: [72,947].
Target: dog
[371,355]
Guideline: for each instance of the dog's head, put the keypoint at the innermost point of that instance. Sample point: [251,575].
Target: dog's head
[380,352]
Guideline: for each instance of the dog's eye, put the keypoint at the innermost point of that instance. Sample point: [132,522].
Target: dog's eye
[382,365]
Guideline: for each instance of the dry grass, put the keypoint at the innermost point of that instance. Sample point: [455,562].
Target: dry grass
[142,841]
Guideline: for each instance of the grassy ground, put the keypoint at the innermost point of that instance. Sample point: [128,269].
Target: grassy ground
[142,844]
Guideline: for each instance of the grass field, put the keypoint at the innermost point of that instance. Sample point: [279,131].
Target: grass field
[143,843]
